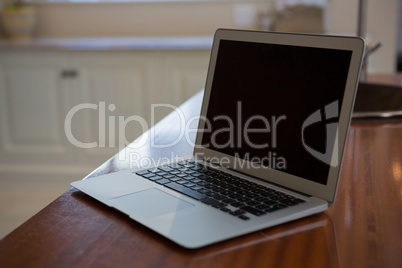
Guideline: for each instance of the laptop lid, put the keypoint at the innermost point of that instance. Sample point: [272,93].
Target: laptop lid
[278,107]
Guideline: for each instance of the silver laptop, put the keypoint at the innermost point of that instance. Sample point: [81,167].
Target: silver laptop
[269,147]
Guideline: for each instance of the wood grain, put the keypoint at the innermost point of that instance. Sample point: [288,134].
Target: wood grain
[362,229]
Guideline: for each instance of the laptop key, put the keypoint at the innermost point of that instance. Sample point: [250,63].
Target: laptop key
[228,201]
[197,168]
[208,186]
[141,173]
[205,191]
[186,191]
[234,196]
[224,192]
[238,212]
[270,202]
[196,188]
[236,204]
[299,200]
[243,217]
[215,195]
[175,179]
[288,202]
[219,205]
[166,169]
[253,203]
[260,198]
[189,184]
[214,188]
[250,195]
[243,199]
[210,201]
[253,211]
[154,178]
[274,208]
[226,210]
[162,181]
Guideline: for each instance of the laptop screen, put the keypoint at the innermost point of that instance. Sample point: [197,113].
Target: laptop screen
[277,105]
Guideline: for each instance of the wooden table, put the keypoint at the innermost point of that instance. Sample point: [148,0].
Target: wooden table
[362,229]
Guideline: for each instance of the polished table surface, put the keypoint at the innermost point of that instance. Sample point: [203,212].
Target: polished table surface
[362,229]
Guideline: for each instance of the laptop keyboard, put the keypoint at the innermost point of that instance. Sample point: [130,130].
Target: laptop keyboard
[228,193]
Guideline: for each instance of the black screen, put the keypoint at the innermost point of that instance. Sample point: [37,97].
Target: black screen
[263,93]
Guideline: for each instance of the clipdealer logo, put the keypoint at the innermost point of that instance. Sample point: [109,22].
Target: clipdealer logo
[330,156]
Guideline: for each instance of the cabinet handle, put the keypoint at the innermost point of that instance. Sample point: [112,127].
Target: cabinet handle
[69,73]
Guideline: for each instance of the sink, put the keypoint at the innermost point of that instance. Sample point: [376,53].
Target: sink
[378,101]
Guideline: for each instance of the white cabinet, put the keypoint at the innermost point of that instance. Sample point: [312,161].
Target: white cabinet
[109,91]
[31,107]
[118,84]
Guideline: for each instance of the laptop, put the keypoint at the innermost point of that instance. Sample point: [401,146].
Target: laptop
[269,146]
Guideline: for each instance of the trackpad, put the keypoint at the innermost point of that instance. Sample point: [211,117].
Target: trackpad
[149,203]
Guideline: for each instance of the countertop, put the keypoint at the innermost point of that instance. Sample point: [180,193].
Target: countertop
[363,228]
[112,43]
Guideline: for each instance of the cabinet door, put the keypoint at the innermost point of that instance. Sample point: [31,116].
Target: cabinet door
[67,112]
[187,73]
[31,105]
[114,87]
[183,74]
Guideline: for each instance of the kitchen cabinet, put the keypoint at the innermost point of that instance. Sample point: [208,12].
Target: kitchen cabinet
[51,101]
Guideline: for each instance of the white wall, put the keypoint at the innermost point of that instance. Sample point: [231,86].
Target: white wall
[382,25]
[203,18]
[136,18]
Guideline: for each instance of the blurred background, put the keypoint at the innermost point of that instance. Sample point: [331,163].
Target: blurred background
[123,56]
